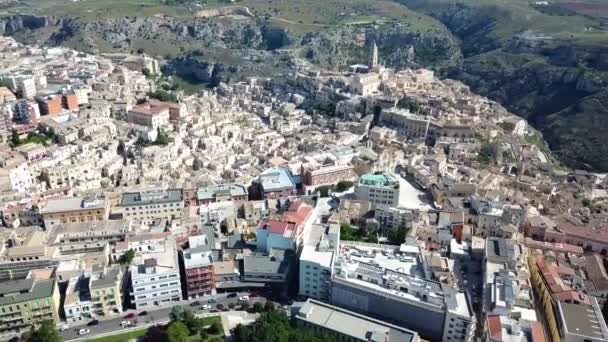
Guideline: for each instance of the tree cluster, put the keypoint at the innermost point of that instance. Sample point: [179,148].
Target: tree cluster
[185,324]
[275,326]
[342,186]
[45,332]
[410,104]
[127,257]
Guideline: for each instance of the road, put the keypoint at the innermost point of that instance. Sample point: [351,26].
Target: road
[153,317]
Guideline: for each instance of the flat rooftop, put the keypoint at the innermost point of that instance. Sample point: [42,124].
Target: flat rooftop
[351,324]
[378,179]
[583,320]
[151,197]
[72,204]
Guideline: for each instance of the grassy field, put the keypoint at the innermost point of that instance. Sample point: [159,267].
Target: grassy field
[516,16]
[121,337]
[301,15]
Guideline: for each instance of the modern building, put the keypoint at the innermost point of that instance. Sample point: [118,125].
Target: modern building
[381,189]
[198,266]
[26,302]
[153,204]
[386,283]
[284,231]
[74,209]
[346,325]
[26,85]
[221,193]
[581,322]
[155,274]
[275,183]
[270,270]
[392,218]
[317,263]
[50,105]
[151,114]
[70,101]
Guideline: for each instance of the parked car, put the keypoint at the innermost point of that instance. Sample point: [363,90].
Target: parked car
[232,295]
[143,313]
[206,307]
[125,324]
[130,315]
[212,301]
[93,322]
[243,298]
[64,327]
[196,303]
[83,331]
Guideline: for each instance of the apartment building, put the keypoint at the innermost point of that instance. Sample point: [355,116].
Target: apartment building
[198,266]
[155,274]
[70,101]
[15,174]
[283,231]
[381,189]
[153,204]
[317,263]
[106,284]
[74,209]
[50,105]
[221,193]
[26,302]
[391,217]
[346,325]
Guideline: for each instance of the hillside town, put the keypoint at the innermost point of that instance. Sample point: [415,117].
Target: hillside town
[371,205]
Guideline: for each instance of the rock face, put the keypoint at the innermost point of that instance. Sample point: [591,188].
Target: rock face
[547,80]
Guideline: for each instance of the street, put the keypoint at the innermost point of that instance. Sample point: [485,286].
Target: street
[153,316]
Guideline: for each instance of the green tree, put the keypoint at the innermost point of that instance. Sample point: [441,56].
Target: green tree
[127,257]
[397,236]
[45,332]
[15,138]
[177,332]
[346,232]
[275,326]
[215,328]
[245,305]
[269,306]
[343,186]
[231,306]
[258,307]
[325,190]
[176,313]
[161,137]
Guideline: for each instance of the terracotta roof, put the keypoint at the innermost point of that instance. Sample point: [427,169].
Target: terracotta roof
[291,220]
[538,333]
[494,327]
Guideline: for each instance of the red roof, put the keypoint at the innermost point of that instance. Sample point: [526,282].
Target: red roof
[293,219]
[494,327]
[274,226]
[538,333]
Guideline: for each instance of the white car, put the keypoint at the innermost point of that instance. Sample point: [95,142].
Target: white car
[206,307]
[83,331]
[244,298]
[125,323]
[64,327]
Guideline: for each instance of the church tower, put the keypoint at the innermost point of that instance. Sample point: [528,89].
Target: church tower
[373,57]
